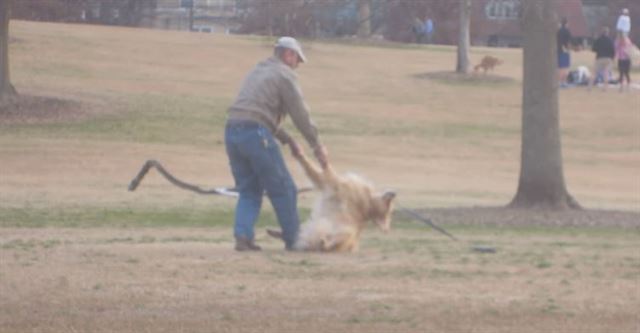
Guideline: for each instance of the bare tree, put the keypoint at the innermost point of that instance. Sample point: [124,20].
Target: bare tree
[541,181]
[364,18]
[462,65]
[7,91]
[269,19]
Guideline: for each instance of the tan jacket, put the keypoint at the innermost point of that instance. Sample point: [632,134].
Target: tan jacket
[268,94]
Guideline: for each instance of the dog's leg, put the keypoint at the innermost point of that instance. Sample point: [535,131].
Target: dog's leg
[314,173]
[274,233]
[344,241]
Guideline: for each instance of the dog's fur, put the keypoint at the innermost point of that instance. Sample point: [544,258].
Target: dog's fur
[487,63]
[345,205]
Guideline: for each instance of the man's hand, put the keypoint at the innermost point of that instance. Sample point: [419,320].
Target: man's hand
[296,150]
[321,155]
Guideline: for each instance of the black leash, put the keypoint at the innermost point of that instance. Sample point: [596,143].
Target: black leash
[225,191]
[417,216]
[232,192]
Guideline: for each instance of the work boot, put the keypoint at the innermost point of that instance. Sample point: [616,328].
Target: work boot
[244,244]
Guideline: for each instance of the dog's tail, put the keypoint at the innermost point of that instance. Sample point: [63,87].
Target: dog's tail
[274,233]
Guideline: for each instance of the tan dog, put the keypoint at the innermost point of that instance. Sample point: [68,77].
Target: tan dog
[487,63]
[341,212]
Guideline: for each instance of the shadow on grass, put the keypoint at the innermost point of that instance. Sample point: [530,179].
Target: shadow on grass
[28,109]
[529,219]
[473,79]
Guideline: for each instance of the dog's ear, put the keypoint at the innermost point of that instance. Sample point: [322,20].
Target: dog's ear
[388,196]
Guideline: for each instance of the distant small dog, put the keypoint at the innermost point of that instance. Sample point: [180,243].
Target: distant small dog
[342,211]
[487,63]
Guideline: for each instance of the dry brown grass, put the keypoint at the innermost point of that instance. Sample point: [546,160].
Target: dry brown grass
[447,144]
[438,142]
[187,280]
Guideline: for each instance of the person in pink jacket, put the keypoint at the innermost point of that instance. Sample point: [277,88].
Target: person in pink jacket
[623,54]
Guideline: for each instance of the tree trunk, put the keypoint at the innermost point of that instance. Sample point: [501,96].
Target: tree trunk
[364,18]
[268,18]
[191,15]
[541,181]
[7,92]
[462,65]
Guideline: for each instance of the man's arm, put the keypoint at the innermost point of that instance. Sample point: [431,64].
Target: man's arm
[283,136]
[299,112]
[322,156]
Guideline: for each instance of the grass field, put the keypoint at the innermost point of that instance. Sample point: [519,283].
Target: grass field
[80,253]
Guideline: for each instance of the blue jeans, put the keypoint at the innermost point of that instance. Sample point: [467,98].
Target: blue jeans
[564,59]
[257,166]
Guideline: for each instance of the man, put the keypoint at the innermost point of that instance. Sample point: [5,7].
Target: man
[564,58]
[268,94]
[429,29]
[418,30]
[605,51]
[624,22]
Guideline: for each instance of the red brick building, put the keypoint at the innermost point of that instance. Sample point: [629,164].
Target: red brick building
[493,22]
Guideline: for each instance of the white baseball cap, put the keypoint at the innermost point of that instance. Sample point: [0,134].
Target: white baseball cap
[292,44]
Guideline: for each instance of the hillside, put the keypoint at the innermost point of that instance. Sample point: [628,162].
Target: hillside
[163,94]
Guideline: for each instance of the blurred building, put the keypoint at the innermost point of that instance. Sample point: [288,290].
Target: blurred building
[497,22]
[493,22]
[196,15]
[201,15]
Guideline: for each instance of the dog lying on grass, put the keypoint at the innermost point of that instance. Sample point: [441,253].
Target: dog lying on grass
[345,205]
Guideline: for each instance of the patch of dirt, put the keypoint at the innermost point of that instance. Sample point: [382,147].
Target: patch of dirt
[532,217]
[29,109]
[473,78]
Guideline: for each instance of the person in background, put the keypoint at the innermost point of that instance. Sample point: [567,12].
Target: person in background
[605,52]
[418,30]
[268,94]
[624,22]
[564,57]
[429,29]
[623,54]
